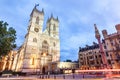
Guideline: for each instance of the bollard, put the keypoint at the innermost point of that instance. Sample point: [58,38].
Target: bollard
[54,76]
[17,75]
[40,76]
[83,75]
[73,76]
[63,76]
[48,76]
[45,76]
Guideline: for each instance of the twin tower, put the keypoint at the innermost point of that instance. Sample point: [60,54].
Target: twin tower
[40,48]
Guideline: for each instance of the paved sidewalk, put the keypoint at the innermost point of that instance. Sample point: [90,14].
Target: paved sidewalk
[33,78]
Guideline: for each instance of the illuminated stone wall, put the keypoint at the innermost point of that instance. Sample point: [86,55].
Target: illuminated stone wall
[112,42]
[67,65]
[90,57]
[40,48]
[7,62]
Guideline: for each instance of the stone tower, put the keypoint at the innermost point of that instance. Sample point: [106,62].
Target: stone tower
[31,42]
[41,48]
[52,26]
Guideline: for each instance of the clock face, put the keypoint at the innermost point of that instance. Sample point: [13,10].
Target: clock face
[36,29]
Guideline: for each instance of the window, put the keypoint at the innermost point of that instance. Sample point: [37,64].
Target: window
[32,61]
[81,63]
[34,40]
[109,62]
[101,62]
[96,56]
[111,41]
[54,28]
[81,58]
[37,20]
[91,57]
[54,44]
[45,47]
[90,52]
[100,56]
[92,62]
[105,47]
[97,62]
[119,41]
[36,29]
[107,54]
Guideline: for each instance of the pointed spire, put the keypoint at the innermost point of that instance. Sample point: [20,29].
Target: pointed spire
[57,18]
[36,6]
[97,34]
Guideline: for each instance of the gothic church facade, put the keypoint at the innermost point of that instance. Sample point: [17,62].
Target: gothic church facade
[40,48]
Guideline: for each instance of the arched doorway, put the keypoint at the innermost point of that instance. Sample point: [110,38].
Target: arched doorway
[43,70]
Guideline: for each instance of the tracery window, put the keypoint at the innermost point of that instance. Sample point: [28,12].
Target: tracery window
[54,28]
[37,20]
[34,40]
[54,44]
[45,47]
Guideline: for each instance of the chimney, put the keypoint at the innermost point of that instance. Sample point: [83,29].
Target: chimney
[105,34]
[117,27]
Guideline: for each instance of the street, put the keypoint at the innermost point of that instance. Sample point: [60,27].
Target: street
[59,77]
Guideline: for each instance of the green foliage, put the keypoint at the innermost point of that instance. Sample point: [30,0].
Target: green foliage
[68,60]
[7,38]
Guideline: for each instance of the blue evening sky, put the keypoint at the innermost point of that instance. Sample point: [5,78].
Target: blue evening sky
[76,17]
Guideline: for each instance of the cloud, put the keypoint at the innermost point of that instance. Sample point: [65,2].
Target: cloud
[76,19]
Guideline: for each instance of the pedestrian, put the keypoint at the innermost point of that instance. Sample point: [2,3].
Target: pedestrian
[83,75]
[63,76]
[73,76]
[48,74]
[54,76]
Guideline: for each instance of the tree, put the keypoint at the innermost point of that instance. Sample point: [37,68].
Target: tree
[7,38]
[68,60]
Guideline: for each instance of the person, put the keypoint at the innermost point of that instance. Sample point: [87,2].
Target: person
[83,75]
[63,76]
[48,74]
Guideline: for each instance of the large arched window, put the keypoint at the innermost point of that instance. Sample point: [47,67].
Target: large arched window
[34,40]
[54,44]
[37,20]
[45,47]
